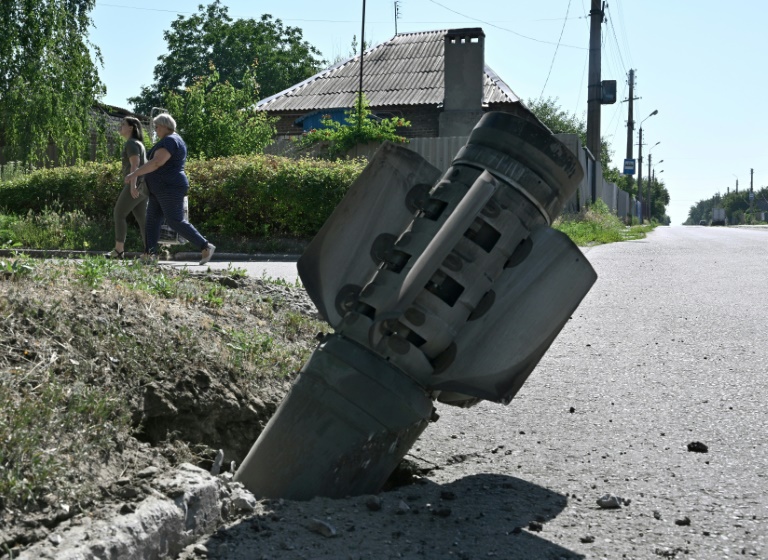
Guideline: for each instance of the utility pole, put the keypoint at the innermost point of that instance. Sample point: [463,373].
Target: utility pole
[631,115]
[594,89]
[751,180]
[362,55]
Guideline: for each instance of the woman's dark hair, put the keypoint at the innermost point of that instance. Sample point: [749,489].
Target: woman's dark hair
[135,125]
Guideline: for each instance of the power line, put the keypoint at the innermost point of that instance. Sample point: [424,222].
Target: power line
[503,28]
[554,56]
[624,34]
[616,40]
[581,86]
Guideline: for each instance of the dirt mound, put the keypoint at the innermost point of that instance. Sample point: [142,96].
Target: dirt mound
[109,369]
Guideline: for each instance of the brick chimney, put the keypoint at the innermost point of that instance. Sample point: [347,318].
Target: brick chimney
[464,62]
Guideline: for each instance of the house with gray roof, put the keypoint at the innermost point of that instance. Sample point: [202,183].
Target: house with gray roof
[438,80]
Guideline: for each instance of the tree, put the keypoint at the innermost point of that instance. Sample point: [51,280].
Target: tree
[48,80]
[352,51]
[211,36]
[560,122]
[361,127]
[659,200]
[218,120]
[738,207]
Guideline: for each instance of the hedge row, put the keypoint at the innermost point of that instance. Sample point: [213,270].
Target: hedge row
[249,196]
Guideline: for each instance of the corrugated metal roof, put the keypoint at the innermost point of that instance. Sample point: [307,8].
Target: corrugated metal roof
[406,70]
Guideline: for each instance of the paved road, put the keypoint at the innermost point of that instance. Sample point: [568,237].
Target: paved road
[669,348]
[282,270]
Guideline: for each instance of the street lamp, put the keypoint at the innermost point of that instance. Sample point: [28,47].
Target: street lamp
[640,164]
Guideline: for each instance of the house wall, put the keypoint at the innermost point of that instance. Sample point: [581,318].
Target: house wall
[425,119]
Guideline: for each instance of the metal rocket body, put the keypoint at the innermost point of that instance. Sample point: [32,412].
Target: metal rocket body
[439,286]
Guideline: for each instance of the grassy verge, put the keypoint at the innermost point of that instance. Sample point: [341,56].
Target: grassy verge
[82,343]
[597,225]
[72,230]
[55,228]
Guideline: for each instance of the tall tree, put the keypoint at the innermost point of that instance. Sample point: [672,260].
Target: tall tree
[48,80]
[218,120]
[659,200]
[559,121]
[211,36]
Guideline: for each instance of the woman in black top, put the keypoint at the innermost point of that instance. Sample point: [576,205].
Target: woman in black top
[168,184]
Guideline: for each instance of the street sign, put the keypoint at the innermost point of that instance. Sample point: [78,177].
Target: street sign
[608,92]
[629,167]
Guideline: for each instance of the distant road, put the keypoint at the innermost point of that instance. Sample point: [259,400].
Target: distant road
[284,270]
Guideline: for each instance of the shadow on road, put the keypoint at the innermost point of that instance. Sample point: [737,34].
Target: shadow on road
[478,516]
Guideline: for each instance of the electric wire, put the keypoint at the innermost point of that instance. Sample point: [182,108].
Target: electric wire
[616,40]
[504,28]
[586,63]
[554,55]
[624,34]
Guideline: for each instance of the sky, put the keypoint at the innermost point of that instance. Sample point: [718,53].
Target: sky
[699,63]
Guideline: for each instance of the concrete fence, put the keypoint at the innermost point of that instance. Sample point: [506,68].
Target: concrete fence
[440,152]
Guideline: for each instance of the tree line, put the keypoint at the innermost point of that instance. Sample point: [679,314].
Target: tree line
[740,207]
[214,70]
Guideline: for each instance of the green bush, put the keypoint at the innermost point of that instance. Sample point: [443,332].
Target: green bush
[597,224]
[249,196]
[361,128]
[266,196]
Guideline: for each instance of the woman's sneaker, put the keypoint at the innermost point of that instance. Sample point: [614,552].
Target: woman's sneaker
[207,253]
[115,254]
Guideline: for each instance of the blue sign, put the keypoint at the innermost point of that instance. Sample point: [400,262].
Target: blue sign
[629,167]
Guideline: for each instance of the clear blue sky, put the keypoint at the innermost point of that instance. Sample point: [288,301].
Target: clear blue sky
[700,63]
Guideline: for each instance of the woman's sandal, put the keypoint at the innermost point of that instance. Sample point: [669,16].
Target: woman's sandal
[115,254]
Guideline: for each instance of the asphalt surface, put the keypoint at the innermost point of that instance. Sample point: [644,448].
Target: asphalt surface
[668,349]
[284,269]
[653,394]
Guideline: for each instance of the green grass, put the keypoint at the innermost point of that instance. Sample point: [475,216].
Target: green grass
[81,339]
[596,225]
[46,418]
[56,229]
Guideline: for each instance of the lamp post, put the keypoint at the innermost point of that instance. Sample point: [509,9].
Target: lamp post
[640,165]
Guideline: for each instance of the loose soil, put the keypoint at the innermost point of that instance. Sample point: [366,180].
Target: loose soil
[183,365]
